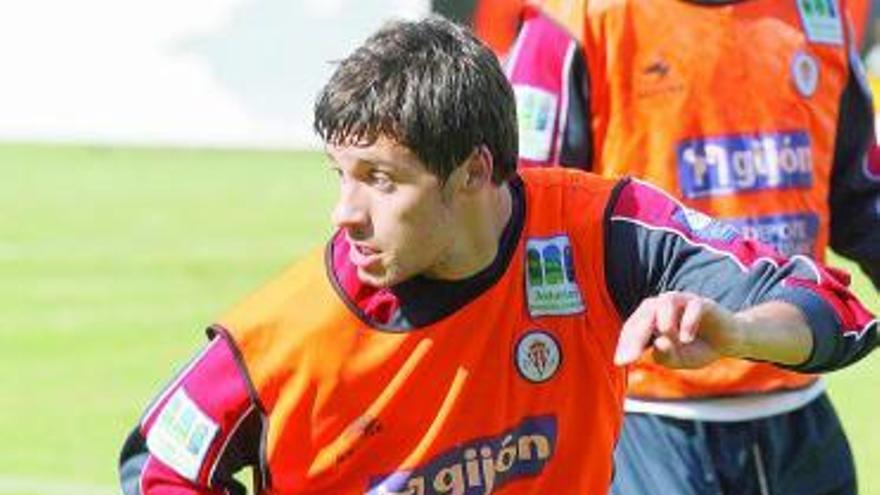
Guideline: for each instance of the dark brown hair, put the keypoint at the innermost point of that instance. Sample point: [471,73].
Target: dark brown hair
[431,86]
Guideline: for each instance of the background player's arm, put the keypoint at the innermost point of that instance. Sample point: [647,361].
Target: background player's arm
[854,193]
[549,74]
[669,264]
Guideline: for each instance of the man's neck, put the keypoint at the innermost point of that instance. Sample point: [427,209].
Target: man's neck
[482,224]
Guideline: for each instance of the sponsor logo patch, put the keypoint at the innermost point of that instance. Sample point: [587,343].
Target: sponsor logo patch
[805,74]
[551,286]
[478,467]
[790,234]
[822,21]
[181,435]
[537,356]
[536,117]
[704,227]
[717,166]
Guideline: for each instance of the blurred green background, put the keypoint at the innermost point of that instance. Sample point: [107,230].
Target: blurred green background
[113,260]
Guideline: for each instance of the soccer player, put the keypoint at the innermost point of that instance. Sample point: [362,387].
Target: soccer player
[756,112]
[462,331]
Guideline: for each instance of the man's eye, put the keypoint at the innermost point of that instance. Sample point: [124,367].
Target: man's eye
[381,181]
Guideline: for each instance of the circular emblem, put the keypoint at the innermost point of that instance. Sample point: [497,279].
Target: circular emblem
[537,356]
[805,73]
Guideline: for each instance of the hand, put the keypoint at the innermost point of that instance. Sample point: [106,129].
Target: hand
[684,330]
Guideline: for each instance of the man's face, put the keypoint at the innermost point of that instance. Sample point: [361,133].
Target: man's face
[393,211]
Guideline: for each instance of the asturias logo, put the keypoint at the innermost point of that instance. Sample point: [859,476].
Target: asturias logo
[550,284]
[821,21]
[821,8]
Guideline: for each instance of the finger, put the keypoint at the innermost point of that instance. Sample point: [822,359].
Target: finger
[663,344]
[691,317]
[635,335]
[669,309]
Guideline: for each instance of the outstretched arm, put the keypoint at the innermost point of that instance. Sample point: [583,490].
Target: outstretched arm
[688,331]
[693,289]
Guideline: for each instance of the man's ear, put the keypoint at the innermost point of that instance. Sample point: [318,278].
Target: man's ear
[478,169]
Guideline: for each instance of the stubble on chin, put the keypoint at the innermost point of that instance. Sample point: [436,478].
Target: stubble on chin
[381,278]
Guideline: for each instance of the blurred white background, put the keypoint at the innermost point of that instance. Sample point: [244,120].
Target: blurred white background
[231,73]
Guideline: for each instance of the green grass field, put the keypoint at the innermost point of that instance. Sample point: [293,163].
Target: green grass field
[113,260]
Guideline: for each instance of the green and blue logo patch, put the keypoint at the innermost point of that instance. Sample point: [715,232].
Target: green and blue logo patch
[551,286]
[822,21]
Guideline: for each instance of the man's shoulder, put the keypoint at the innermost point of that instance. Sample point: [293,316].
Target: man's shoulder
[297,322]
[291,302]
[571,190]
[568,200]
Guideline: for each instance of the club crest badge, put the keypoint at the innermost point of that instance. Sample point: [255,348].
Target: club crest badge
[538,356]
[805,74]
[551,286]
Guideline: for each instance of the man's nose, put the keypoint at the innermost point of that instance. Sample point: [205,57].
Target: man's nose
[350,211]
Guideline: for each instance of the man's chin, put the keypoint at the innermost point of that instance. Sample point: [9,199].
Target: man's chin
[379,280]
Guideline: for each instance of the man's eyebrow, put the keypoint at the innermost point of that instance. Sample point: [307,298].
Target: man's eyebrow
[383,165]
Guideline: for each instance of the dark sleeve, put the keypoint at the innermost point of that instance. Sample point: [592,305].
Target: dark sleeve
[199,432]
[576,149]
[854,193]
[661,246]
[550,79]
